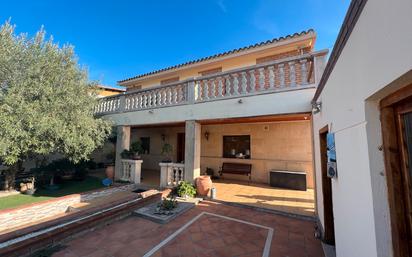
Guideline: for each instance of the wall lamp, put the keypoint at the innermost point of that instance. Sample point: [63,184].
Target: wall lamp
[207,135]
[316,107]
[163,137]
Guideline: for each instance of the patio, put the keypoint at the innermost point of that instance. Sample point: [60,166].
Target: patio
[252,194]
[263,196]
[209,229]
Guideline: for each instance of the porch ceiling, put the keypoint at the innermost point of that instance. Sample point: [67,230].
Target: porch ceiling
[265,118]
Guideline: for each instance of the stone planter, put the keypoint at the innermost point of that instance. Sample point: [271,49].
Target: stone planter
[203,185]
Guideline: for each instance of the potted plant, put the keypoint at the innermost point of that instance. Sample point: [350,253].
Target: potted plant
[136,149]
[126,154]
[167,150]
[186,189]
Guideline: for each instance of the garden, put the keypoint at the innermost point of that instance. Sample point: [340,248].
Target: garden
[58,178]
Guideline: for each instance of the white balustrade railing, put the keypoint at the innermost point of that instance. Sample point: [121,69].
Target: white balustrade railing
[131,171]
[285,74]
[279,75]
[171,174]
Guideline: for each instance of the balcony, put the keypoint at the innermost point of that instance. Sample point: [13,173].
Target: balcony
[289,74]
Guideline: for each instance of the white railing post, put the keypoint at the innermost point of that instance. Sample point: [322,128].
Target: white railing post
[252,81]
[261,79]
[271,77]
[282,75]
[303,72]
[292,74]
[220,86]
[244,83]
[192,92]
[227,85]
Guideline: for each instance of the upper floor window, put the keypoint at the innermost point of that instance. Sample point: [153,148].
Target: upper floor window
[169,80]
[210,71]
[134,87]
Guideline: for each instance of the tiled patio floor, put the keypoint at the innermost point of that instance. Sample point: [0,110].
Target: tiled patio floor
[209,229]
[262,195]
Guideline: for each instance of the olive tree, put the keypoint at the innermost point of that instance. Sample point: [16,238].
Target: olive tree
[46,100]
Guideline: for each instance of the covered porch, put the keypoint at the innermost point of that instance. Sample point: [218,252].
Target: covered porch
[276,143]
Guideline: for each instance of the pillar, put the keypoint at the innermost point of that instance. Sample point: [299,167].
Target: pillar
[122,143]
[192,150]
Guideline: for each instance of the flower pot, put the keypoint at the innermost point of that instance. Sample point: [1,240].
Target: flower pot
[203,185]
[136,156]
[110,171]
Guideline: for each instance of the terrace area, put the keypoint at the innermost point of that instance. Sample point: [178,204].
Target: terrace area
[209,229]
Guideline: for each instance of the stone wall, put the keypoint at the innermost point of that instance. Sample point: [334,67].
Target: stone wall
[274,146]
[33,213]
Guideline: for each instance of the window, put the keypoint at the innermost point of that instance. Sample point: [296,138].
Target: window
[236,147]
[169,80]
[145,144]
[211,71]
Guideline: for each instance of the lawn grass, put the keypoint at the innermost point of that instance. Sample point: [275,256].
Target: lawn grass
[69,187]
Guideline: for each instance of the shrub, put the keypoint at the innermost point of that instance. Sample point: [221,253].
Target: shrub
[186,189]
[168,204]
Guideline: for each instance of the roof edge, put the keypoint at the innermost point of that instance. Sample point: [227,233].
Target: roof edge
[222,54]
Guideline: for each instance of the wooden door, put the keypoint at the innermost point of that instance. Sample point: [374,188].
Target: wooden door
[328,222]
[404,119]
[180,147]
[396,120]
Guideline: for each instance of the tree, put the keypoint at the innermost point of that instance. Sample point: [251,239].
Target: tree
[46,100]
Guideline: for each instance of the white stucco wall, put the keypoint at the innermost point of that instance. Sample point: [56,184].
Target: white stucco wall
[376,54]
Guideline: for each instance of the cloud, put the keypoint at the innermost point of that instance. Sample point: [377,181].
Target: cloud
[222,6]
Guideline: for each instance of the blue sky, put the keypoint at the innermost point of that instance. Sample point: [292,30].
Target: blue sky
[122,38]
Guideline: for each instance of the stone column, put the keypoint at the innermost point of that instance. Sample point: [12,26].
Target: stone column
[192,150]
[122,143]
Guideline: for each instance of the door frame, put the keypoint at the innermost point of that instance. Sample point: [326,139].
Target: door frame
[392,108]
[328,217]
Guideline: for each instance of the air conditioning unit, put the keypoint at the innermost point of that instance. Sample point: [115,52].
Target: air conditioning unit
[332,171]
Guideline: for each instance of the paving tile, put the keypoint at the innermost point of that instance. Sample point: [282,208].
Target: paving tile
[208,236]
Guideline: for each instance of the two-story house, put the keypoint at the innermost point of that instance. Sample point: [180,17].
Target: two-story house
[250,105]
